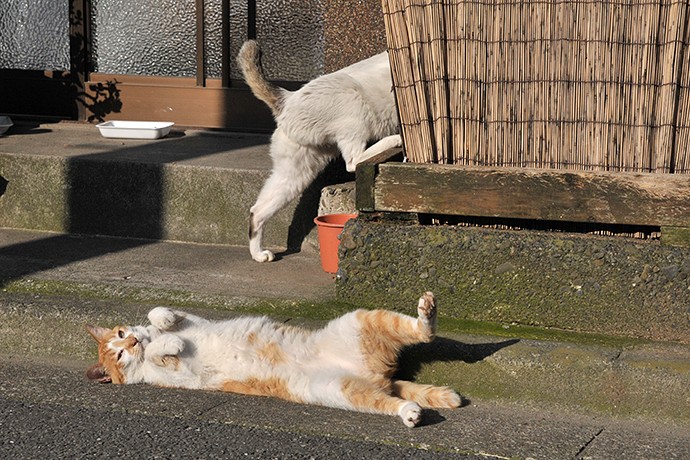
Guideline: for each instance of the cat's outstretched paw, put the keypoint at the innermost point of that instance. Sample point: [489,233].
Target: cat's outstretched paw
[264,256]
[427,306]
[449,399]
[411,414]
[427,313]
[163,318]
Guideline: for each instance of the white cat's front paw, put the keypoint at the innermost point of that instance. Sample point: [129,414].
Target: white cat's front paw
[172,345]
[264,256]
[165,345]
[163,318]
[411,414]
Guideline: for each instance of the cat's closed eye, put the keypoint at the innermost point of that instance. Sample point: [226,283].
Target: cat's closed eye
[119,354]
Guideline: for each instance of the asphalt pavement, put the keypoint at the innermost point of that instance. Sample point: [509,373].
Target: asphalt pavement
[48,408]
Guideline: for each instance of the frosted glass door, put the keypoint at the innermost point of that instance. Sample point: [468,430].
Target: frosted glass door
[134,37]
[34,34]
[158,37]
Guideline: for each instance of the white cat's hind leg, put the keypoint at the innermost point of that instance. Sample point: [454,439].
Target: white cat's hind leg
[294,167]
[354,152]
[411,414]
[387,143]
[256,249]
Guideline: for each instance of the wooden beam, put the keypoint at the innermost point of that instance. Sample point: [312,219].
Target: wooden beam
[366,174]
[200,47]
[175,99]
[555,195]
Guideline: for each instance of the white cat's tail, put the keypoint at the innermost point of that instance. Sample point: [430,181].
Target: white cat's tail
[249,60]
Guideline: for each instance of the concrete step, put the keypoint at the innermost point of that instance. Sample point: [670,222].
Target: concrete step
[53,284]
[609,285]
[193,186]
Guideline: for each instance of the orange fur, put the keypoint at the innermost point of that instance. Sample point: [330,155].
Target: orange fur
[426,395]
[269,387]
[383,334]
[172,362]
[367,397]
[272,353]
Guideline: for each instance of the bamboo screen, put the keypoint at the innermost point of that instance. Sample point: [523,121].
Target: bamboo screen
[593,84]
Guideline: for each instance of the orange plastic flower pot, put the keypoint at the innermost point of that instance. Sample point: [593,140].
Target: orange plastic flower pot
[329,228]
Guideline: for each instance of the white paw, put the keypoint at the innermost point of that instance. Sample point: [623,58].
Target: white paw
[411,414]
[169,344]
[264,256]
[162,318]
[427,316]
[350,166]
[427,306]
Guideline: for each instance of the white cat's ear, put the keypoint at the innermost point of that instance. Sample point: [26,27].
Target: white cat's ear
[97,332]
[97,372]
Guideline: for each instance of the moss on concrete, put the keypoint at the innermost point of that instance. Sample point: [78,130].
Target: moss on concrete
[286,308]
[583,283]
[593,379]
[534,333]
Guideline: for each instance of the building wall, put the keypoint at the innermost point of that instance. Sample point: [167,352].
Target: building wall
[352,33]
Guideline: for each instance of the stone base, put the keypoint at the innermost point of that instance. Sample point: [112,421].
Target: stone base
[609,285]
[337,199]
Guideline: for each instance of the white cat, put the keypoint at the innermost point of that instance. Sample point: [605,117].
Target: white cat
[342,112]
[347,364]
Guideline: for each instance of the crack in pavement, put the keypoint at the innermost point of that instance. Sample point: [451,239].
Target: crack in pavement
[588,443]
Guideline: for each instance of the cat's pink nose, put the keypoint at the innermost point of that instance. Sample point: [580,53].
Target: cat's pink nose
[131,341]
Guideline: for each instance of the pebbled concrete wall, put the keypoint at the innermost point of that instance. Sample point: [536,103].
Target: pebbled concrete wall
[585,283]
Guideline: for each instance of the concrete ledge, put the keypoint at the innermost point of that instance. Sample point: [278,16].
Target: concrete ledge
[633,381]
[138,200]
[193,186]
[585,283]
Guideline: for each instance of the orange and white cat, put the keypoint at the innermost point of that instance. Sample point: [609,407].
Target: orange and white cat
[348,364]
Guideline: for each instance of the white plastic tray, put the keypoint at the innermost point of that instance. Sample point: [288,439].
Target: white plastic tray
[5,124]
[135,129]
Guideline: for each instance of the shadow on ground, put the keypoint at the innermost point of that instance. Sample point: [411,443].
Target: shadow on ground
[445,350]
